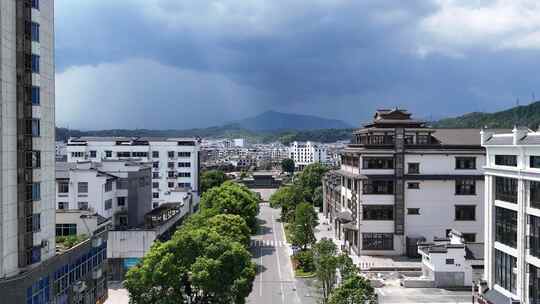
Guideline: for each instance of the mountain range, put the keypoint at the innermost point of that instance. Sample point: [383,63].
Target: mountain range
[527,115]
[272,121]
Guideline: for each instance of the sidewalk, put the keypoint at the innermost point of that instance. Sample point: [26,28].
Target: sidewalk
[364,262]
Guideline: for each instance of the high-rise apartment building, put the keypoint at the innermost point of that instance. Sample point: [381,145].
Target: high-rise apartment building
[27,127]
[512,218]
[33,267]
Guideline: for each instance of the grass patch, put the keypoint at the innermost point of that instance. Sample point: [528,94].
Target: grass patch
[299,273]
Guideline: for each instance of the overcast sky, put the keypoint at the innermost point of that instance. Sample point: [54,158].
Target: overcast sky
[196,63]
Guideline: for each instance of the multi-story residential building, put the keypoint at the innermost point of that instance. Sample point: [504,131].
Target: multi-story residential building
[119,191]
[33,268]
[306,153]
[401,182]
[512,218]
[175,161]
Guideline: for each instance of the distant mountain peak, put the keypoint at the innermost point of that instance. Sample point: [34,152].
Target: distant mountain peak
[272,120]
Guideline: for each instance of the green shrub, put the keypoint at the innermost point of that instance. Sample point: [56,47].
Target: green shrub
[305,260]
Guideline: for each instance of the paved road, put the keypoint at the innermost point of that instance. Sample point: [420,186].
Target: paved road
[275,282]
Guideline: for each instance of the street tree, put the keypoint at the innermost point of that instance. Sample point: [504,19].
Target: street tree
[231,198]
[354,290]
[310,179]
[302,229]
[287,165]
[286,197]
[212,178]
[201,265]
[326,263]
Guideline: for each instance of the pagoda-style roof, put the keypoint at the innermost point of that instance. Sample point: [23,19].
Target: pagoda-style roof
[388,118]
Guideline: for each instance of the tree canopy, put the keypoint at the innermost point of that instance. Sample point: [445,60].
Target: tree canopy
[212,178]
[287,165]
[305,221]
[353,290]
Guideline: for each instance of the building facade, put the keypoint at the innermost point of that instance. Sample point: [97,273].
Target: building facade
[175,161]
[401,182]
[306,153]
[512,226]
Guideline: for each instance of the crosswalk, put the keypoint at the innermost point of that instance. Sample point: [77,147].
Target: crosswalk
[267,243]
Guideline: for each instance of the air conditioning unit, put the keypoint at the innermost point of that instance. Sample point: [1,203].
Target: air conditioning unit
[96,242]
[97,274]
[79,287]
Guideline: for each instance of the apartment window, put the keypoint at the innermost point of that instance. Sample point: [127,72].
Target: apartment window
[413,211]
[63,187]
[184,154]
[35,4]
[155,195]
[170,165]
[155,175]
[171,154]
[184,165]
[449,261]
[506,189]
[155,185]
[108,153]
[108,204]
[121,202]
[35,257]
[36,191]
[534,162]
[534,199]
[155,154]
[414,185]
[33,223]
[414,168]
[184,185]
[378,163]
[171,174]
[465,212]
[77,154]
[33,159]
[170,184]
[506,226]
[423,139]
[66,229]
[378,212]
[465,163]
[377,241]
[35,127]
[82,205]
[123,154]
[155,165]
[377,187]
[34,30]
[63,205]
[504,271]
[534,285]
[140,154]
[122,183]
[35,63]
[506,160]
[155,205]
[82,187]
[184,174]
[108,186]
[465,187]
[534,235]
[36,98]
[469,237]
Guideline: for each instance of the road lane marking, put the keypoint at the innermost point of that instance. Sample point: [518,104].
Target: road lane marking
[278,261]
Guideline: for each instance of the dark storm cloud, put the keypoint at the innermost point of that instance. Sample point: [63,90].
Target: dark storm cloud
[333,58]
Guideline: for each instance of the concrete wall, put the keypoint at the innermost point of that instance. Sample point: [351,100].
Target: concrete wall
[86,223]
[129,244]
[139,197]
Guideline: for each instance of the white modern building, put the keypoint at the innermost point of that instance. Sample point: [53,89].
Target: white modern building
[512,227]
[306,153]
[401,182]
[175,161]
[119,191]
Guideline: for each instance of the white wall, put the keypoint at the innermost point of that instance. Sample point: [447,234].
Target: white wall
[129,244]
